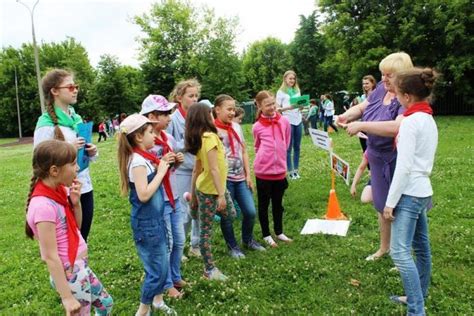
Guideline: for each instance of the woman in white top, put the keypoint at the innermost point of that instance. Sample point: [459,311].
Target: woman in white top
[409,196]
[328,106]
[288,89]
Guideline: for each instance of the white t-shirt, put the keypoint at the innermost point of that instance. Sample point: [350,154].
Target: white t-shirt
[137,161]
[236,171]
[283,100]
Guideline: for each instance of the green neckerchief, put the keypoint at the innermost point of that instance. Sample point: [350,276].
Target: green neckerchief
[291,92]
[65,120]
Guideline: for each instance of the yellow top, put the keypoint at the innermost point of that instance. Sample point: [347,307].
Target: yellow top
[204,181]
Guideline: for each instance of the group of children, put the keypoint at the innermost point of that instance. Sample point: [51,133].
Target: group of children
[181,164]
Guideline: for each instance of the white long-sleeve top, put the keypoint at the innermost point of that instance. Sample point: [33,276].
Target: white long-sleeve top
[416,146]
[283,100]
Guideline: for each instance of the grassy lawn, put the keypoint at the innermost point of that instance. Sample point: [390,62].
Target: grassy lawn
[310,276]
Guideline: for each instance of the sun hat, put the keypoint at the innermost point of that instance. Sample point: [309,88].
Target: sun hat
[207,102]
[133,122]
[156,102]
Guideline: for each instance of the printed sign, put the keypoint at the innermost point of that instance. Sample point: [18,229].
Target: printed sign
[84,130]
[328,227]
[320,139]
[341,167]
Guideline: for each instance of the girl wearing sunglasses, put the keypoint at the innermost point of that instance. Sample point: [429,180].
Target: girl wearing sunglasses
[60,122]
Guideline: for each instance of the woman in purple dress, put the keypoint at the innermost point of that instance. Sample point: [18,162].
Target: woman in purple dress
[381,116]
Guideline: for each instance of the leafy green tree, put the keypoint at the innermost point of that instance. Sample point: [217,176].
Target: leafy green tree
[264,64]
[68,54]
[308,52]
[117,89]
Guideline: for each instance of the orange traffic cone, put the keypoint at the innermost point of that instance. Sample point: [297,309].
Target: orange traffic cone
[334,211]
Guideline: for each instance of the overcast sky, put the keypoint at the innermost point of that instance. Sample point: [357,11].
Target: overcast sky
[105,27]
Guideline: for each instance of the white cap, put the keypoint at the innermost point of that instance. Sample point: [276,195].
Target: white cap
[155,102]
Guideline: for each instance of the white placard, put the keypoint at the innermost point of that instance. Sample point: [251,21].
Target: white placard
[320,139]
[328,227]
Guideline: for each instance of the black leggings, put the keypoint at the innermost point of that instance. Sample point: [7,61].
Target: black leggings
[87,204]
[271,190]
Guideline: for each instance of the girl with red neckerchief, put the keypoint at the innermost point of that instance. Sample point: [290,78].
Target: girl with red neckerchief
[53,217]
[141,174]
[409,196]
[271,133]
[185,94]
[158,109]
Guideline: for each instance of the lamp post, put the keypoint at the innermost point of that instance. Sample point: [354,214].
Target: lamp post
[35,49]
[18,105]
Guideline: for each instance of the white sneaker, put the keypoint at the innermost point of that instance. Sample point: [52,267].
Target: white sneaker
[269,240]
[296,175]
[284,238]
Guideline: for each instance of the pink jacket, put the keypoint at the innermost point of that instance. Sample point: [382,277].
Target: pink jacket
[271,144]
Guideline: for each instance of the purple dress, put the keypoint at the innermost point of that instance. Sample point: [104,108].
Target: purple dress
[381,152]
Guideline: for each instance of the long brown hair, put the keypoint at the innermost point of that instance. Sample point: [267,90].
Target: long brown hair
[47,154]
[198,121]
[262,95]
[51,80]
[126,143]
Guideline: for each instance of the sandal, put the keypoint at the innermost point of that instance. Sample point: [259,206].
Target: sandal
[374,256]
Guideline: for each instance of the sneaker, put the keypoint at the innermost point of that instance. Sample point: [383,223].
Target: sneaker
[194,252]
[296,175]
[165,309]
[215,274]
[236,253]
[284,238]
[184,259]
[292,176]
[269,240]
[253,245]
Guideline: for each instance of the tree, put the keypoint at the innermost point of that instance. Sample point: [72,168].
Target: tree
[264,64]
[68,54]
[308,52]
[117,89]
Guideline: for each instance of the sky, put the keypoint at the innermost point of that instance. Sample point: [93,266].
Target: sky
[105,27]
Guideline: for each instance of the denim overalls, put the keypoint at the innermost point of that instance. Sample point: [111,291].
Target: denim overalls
[149,234]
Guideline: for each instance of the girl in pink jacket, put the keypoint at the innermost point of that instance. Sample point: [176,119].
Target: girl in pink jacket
[271,133]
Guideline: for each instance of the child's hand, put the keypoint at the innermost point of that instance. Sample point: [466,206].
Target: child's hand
[75,192]
[193,205]
[79,142]
[91,149]
[169,157]
[353,191]
[221,205]
[163,167]
[388,213]
[249,183]
[179,157]
[71,305]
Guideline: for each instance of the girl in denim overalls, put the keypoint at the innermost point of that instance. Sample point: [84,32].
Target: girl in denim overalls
[143,173]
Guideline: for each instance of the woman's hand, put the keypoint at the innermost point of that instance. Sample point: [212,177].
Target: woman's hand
[341,121]
[353,128]
[91,149]
[179,157]
[388,213]
[75,192]
[71,305]
[221,204]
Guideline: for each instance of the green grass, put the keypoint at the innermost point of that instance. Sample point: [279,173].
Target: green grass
[310,276]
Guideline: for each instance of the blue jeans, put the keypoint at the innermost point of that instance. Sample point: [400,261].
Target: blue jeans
[410,230]
[295,143]
[176,238]
[241,193]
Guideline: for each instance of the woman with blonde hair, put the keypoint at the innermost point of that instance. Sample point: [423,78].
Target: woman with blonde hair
[381,115]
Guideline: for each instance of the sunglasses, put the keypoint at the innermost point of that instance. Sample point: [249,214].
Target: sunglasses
[70,87]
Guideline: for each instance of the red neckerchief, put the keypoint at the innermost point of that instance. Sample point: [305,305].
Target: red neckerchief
[181,110]
[231,133]
[166,180]
[269,121]
[163,142]
[59,195]
[422,106]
